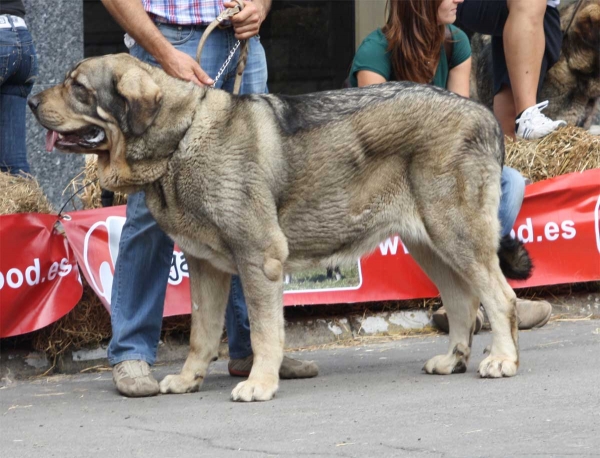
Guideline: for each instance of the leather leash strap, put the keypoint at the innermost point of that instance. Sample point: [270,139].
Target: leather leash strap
[224,15]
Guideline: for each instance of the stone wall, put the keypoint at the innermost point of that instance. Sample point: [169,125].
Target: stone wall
[57,30]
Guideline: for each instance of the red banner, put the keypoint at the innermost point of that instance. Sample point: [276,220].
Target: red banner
[559,223]
[95,236]
[39,278]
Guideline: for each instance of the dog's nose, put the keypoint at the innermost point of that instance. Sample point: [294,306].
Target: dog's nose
[34,102]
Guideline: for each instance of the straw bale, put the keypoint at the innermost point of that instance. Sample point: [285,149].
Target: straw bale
[569,149]
[87,325]
[22,194]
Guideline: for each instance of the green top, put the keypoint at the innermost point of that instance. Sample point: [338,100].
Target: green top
[372,55]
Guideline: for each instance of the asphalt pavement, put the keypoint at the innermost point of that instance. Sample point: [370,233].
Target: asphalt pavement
[368,401]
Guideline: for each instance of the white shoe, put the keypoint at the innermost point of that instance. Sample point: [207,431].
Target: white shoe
[534,124]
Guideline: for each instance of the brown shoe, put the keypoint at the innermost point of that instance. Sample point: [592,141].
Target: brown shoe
[290,368]
[295,368]
[440,319]
[533,314]
[134,379]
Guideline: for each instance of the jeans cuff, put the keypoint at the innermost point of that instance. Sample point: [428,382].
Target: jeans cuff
[240,354]
[131,357]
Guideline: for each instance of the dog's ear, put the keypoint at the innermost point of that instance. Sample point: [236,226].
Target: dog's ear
[143,97]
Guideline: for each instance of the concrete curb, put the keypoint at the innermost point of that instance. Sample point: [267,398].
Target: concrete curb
[300,334]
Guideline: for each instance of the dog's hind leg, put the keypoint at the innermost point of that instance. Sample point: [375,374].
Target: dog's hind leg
[499,301]
[210,290]
[460,216]
[262,278]
[461,305]
[476,263]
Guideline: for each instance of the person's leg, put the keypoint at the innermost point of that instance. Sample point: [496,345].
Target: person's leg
[139,285]
[137,299]
[532,123]
[488,18]
[513,192]
[13,150]
[17,75]
[519,61]
[524,45]
[504,110]
[531,314]
[237,322]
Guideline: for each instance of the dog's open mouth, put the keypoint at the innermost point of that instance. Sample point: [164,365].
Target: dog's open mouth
[87,137]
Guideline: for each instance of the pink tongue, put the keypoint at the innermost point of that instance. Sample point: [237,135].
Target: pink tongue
[51,137]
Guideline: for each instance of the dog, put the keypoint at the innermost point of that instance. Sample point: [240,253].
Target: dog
[236,182]
[572,85]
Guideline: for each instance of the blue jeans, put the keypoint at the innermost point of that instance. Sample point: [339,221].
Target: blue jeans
[513,191]
[18,72]
[145,251]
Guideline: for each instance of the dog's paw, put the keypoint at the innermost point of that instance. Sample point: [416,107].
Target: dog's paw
[445,365]
[496,367]
[249,391]
[452,363]
[178,384]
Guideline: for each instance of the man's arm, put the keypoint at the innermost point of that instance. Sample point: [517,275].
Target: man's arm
[248,21]
[130,14]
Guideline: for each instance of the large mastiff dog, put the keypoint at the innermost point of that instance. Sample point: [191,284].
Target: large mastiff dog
[237,182]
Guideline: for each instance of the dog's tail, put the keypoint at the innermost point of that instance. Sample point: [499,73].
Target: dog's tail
[514,259]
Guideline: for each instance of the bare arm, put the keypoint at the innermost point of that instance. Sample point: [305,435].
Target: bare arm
[135,21]
[459,78]
[246,23]
[366,78]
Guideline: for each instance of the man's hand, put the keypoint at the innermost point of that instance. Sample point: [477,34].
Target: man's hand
[182,66]
[130,14]
[246,23]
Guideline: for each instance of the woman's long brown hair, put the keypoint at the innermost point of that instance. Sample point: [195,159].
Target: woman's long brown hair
[414,38]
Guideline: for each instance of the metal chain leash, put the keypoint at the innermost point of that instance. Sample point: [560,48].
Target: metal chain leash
[226,63]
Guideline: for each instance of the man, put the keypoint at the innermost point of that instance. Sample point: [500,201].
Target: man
[167,33]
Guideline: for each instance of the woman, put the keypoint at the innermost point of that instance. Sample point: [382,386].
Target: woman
[411,47]
[419,44]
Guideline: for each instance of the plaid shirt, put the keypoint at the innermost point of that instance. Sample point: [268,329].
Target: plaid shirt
[184,12]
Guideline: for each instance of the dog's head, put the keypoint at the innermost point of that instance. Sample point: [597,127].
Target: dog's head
[111,106]
[582,35]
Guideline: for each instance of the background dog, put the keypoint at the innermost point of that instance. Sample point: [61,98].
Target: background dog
[237,182]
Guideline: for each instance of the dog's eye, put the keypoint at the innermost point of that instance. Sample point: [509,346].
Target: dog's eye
[77,85]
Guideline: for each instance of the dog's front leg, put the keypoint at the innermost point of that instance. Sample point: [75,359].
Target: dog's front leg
[263,288]
[210,289]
